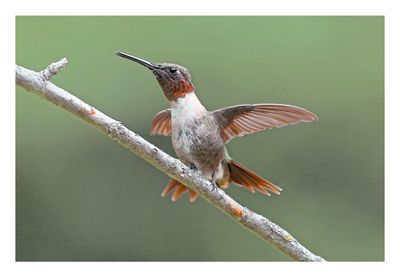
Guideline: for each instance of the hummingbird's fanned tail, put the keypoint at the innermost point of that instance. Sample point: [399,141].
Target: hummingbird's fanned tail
[238,174]
[243,176]
[180,189]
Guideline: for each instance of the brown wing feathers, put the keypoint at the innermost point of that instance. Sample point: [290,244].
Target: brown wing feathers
[246,119]
[161,124]
[243,119]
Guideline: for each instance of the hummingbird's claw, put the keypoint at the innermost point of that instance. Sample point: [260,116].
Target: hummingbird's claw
[193,167]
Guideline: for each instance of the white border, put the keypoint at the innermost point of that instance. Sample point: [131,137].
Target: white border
[205,7]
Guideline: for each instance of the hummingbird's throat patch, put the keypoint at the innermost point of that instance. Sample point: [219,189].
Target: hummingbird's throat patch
[183,88]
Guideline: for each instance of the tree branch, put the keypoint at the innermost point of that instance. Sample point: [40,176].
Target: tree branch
[39,84]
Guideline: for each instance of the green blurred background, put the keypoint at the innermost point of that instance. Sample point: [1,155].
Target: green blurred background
[80,196]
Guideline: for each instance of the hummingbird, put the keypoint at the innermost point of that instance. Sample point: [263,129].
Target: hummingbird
[199,136]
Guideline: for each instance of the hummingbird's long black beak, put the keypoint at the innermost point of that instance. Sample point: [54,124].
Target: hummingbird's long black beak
[147,64]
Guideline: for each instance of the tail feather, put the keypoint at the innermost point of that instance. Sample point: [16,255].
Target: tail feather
[180,189]
[245,177]
[238,174]
[193,195]
[171,185]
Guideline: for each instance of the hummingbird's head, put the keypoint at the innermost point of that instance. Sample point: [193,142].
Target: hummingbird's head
[174,79]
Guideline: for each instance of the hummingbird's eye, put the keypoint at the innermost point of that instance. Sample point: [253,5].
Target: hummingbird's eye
[173,69]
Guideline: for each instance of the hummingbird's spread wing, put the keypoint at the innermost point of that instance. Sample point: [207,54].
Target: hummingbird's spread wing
[161,124]
[240,120]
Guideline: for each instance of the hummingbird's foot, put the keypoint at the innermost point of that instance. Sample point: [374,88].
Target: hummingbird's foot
[193,167]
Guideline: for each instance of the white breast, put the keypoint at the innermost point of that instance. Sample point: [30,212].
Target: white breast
[186,108]
[184,111]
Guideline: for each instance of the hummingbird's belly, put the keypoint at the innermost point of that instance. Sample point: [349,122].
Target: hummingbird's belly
[199,142]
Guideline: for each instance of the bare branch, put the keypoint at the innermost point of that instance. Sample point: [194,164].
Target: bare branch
[53,69]
[39,84]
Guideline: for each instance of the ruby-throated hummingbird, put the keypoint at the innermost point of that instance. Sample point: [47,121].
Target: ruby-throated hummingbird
[199,136]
